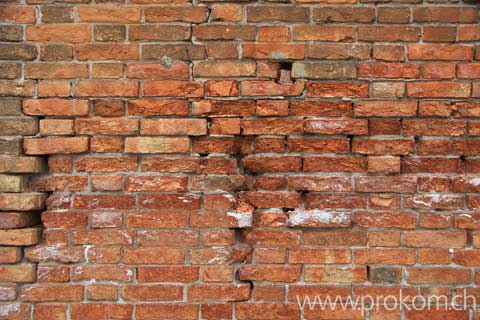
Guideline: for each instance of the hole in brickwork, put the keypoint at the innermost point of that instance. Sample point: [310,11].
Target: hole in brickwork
[285,73]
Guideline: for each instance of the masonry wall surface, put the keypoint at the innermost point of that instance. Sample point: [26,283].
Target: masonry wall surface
[170,159]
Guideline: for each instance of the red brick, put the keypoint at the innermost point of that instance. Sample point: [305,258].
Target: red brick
[319,256]
[440,52]
[337,89]
[335,201]
[169,201]
[59,32]
[18,273]
[400,220]
[43,293]
[211,292]
[159,32]
[468,33]
[270,88]
[274,51]
[347,127]
[190,127]
[55,107]
[389,53]
[400,184]
[274,34]
[343,14]
[431,275]
[105,164]
[154,255]
[50,311]
[225,108]
[99,311]
[434,127]
[335,51]
[382,146]
[157,107]
[106,145]
[431,239]
[55,71]
[151,293]
[177,69]
[388,33]
[100,273]
[102,292]
[54,89]
[385,256]
[389,70]
[20,14]
[393,15]
[272,126]
[176,14]
[55,145]
[98,126]
[334,164]
[335,274]
[108,14]
[102,51]
[224,32]
[171,311]
[437,70]
[184,89]
[156,145]
[226,12]
[439,33]
[168,274]
[214,69]
[106,89]
[323,33]
[268,311]
[445,14]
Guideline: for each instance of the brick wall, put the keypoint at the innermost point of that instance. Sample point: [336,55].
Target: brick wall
[215,160]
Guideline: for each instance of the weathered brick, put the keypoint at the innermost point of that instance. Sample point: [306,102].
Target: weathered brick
[157,145]
[176,14]
[22,202]
[337,89]
[324,70]
[106,89]
[18,273]
[55,107]
[223,69]
[344,14]
[191,127]
[59,32]
[108,14]
[274,51]
[159,32]
[184,89]
[18,126]
[55,145]
[21,237]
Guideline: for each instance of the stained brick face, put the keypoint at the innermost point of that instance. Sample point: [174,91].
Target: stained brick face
[220,159]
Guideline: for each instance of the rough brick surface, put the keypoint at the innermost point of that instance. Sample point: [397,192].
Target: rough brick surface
[216,159]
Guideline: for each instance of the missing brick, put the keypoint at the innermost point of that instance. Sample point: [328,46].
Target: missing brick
[285,73]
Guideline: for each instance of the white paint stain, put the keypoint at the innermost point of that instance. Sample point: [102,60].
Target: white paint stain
[303,217]
[7,309]
[244,219]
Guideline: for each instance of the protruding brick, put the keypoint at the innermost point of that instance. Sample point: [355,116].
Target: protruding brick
[18,273]
[22,202]
[56,145]
[20,237]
